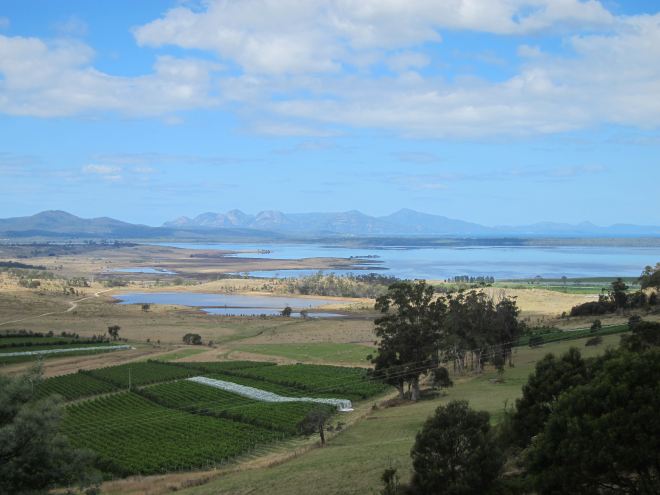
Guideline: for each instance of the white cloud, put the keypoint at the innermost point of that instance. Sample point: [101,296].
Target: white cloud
[57,79]
[318,36]
[401,62]
[309,68]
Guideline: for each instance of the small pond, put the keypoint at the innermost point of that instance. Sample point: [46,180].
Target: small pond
[230,304]
[143,269]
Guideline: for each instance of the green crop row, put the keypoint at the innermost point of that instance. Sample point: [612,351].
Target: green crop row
[198,398]
[142,373]
[133,435]
[342,382]
[74,386]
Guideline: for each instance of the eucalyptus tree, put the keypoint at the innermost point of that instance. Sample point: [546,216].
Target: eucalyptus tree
[410,332]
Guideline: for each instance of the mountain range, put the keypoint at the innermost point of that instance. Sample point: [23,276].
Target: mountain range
[274,225]
[402,222]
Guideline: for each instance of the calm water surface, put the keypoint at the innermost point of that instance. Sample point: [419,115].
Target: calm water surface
[445,262]
[230,304]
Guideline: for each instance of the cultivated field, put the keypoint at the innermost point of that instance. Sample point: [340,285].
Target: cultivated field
[148,417]
[379,437]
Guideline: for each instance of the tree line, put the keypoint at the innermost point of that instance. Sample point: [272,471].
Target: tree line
[420,330]
[619,298]
[582,426]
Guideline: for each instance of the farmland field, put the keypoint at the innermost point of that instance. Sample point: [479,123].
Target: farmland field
[74,386]
[63,352]
[167,422]
[134,435]
[385,439]
[329,352]
[142,373]
[348,382]
[195,397]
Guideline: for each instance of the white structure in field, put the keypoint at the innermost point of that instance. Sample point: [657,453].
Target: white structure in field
[68,349]
[342,405]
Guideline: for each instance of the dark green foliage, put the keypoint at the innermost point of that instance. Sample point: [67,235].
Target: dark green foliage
[134,435]
[203,399]
[74,386]
[113,331]
[650,277]
[315,421]
[440,378]
[604,436]
[390,479]
[551,377]
[644,335]
[286,312]
[596,326]
[339,381]
[192,339]
[34,456]
[221,366]
[477,329]
[456,453]
[142,373]
[410,329]
[594,341]
[618,293]
[603,306]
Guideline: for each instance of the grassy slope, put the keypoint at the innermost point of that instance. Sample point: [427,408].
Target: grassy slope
[329,352]
[352,462]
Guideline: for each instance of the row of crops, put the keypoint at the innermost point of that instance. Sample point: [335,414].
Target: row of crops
[74,386]
[22,357]
[194,397]
[348,383]
[298,380]
[131,434]
[166,422]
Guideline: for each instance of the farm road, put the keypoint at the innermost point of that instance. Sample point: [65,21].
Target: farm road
[72,305]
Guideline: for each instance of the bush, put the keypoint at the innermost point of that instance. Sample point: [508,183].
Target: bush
[604,436]
[456,453]
[192,339]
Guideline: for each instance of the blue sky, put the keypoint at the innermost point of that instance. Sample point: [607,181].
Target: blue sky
[492,111]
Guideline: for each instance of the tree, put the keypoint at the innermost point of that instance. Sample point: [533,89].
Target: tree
[479,329]
[618,294]
[604,436]
[390,479]
[643,335]
[440,378]
[315,421]
[192,339]
[34,456]
[551,377]
[113,331]
[456,453]
[388,368]
[650,277]
[145,307]
[596,326]
[409,331]
[507,327]
[286,312]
